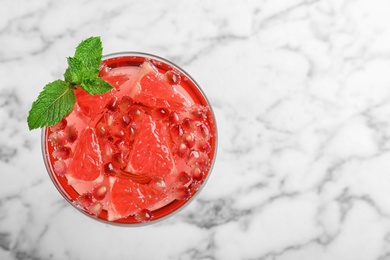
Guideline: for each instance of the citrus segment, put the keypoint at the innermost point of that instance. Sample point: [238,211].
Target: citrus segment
[116,80]
[156,92]
[87,161]
[91,105]
[129,197]
[150,154]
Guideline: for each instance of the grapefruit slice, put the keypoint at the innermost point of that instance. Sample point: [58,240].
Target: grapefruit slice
[86,162]
[116,80]
[157,93]
[91,105]
[151,154]
[129,197]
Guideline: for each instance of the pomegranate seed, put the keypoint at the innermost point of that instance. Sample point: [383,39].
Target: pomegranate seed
[109,169]
[183,178]
[197,173]
[189,140]
[125,120]
[120,143]
[60,167]
[174,118]
[158,183]
[101,129]
[62,153]
[57,140]
[84,200]
[125,103]
[71,134]
[176,132]
[203,160]
[181,193]
[161,113]
[122,146]
[59,126]
[200,113]
[136,112]
[99,192]
[204,147]
[112,104]
[107,150]
[132,132]
[144,215]
[118,160]
[204,131]
[173,77]
[109,119]
[182,151]
[195,186]
[118,131]
[193,156]
[188,124]
[95,208]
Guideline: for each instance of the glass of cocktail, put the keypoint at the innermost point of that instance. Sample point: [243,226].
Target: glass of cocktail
[139,152]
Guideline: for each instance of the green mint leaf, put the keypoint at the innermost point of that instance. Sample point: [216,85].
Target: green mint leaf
[96,86]
[58,98]
[89,53]
[68,75]
[54,103]
[74,73]
[85,65]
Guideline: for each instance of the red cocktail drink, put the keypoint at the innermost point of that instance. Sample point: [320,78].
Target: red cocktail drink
[139,152]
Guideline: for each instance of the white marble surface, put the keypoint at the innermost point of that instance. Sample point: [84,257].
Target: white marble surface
[301,92]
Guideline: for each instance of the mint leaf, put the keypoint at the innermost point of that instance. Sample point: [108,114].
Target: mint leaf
[84,67]
[58,98]
[96,86]
[54,103]
[74,73]
[89,53]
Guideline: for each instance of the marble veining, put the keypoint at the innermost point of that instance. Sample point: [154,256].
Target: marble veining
[301,94]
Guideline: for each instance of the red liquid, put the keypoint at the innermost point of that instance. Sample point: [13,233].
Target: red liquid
[139,152]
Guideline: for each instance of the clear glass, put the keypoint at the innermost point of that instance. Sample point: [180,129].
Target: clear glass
[117,60]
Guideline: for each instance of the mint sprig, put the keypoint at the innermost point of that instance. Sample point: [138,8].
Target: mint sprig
[57,98]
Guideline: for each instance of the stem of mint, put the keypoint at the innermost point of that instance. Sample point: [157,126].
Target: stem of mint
[57,98]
